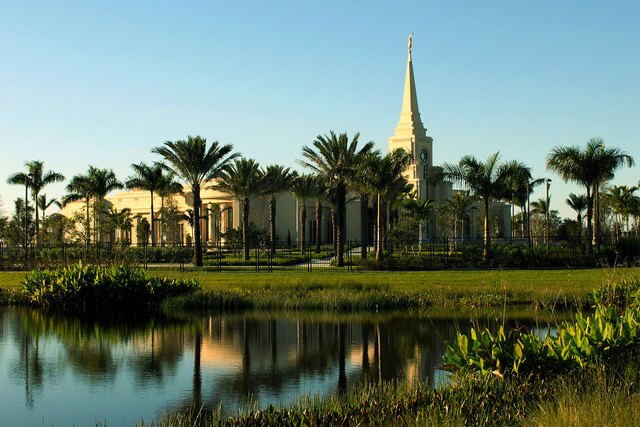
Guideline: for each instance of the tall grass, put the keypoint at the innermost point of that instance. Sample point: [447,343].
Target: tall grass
[90,286]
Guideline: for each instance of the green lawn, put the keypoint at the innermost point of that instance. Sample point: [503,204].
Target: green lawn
[366,290]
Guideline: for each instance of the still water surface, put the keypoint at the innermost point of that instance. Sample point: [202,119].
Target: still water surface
[60,369]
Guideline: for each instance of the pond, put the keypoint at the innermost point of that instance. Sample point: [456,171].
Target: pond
[60,369]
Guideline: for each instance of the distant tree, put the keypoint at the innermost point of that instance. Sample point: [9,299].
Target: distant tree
[486,180]
[142,232]
[43,203]
[589,167]
[303,188]
[147,178]
[277,180]
[244,181]
[578,204]
[36,179]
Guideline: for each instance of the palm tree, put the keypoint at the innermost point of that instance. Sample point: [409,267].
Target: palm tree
[121,220]
[277,180]
[36,179]
[578,204]
[388,184]
[589,167]
[518,185]
[168,187]
[336,159]
[244,181]
[43,203]
[151,179]
[319,194]
[459,205]
[196,164]
[79,188]
[361,184]
[420,210]
[303,188]
[621,199]
[102,182]
[485,180]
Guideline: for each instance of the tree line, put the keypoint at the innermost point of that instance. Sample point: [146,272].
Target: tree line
[340,168]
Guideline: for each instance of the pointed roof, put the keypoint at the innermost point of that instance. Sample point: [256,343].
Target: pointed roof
[410,115]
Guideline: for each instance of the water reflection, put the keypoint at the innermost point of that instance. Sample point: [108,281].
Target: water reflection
[61,369]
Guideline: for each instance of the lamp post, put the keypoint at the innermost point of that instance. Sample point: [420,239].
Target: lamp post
[548,210]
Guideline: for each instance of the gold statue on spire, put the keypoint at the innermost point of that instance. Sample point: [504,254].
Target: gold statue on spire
[410,42]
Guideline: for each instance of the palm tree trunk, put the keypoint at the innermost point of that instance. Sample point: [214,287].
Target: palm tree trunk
[303,231]
[364,223]
[87,226]
[197,203]
[379,230]
[596,216]
[35,205]
[487,230]
[272,225]
[318,225]
[589,219]
[340,225]
[245,228]
[153,224]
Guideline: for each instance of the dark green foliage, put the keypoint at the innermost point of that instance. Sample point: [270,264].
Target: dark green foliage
[89,286]
[612,329]
[143,231]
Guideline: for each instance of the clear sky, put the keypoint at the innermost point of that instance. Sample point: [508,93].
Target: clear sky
[102,82]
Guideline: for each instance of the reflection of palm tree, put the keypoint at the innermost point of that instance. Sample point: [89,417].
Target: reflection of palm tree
[197,374]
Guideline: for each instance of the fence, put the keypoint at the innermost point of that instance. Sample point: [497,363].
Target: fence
[440,253]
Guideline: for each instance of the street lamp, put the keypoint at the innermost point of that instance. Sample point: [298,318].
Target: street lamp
[548,211]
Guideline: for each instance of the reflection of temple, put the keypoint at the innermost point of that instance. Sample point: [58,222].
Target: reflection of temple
[204,360]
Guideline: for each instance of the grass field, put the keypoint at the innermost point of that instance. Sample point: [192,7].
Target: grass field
[369,290]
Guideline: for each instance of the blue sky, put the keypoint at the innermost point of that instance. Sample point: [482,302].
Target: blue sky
[103,82]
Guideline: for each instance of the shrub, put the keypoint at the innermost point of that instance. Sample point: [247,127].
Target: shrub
[89,286]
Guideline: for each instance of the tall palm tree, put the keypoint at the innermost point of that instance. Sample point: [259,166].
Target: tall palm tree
[36,179]
[336,158]
[122,221]
[196,164]
[578,204]
[517,186]
[361,184]
[244,181]
[388,184]
[277,180]
[589,167]
[486,180]
[151,179]
[319,194]
[303,188]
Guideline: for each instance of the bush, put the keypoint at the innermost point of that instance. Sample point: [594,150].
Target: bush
[89,286]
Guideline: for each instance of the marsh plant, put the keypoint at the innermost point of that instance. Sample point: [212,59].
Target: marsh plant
[91,286]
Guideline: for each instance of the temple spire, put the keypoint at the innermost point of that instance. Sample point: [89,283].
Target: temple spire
[410,114]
